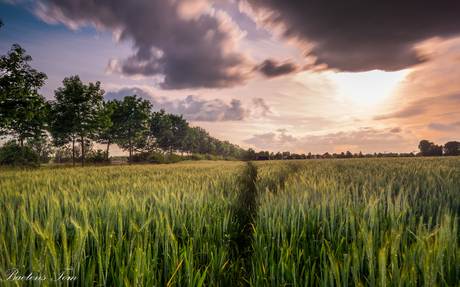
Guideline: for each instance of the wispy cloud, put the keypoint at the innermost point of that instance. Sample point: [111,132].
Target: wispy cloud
[442,127]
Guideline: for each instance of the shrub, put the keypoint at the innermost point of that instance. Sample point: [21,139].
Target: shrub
[176,158]
[157,158]
[212,157]
[11,155]
[99,156]
[141,156]
[194,156]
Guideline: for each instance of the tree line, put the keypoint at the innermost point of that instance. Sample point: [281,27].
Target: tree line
[79,113]
[427,148]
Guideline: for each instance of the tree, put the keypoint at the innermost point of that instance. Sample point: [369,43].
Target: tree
[63,154]
[192,142]
[452,148]
[174,135]
[11,154]
[60,126]
[22,109]
[158,126]
[78,112]
[425,147]
[42,146]
[133,115]
[250,154]
[200,137]
[109,135]
[436,150]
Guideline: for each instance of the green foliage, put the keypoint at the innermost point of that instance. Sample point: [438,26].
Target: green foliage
[42,146]
[157,158]
[428,148]
[63,155]
[452,148]
[194,156]
[12,156]
[171,131]
[99,156]
[22,109]
[212,157]
[132,115]
[109,135]
[77,112]
[176,158]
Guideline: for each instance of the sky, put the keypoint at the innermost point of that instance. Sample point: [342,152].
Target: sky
[298,76]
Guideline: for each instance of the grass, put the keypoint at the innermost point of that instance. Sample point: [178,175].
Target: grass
[354,222]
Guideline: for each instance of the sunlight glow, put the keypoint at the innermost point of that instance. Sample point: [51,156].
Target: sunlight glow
[366,88]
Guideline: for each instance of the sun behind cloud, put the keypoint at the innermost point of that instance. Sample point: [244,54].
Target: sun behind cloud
[366,89]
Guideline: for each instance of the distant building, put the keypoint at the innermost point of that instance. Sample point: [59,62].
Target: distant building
[262,157]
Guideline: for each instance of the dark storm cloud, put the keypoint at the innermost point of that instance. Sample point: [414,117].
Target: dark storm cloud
[192,107]
[360,35]
[272,68]
[188,48]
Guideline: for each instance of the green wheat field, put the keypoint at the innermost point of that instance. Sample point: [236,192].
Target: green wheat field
[354,222]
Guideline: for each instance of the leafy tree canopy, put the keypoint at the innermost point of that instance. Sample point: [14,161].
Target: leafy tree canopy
[78,112]
[22,109]
[132,115]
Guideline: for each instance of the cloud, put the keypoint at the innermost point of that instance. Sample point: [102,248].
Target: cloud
[367,140]
[185,47]
[271,68]
[111,67]
[405,113]
[396,130]
[192,107]
[423,106]
[358,35]
[261,108]
[443,127]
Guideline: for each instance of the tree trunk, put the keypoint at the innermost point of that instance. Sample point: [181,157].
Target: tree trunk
[108,145]
[130,152]
[170,153]
[22,145]
[82,152]
[73,149]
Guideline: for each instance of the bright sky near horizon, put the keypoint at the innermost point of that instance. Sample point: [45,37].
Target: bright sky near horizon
[298,76]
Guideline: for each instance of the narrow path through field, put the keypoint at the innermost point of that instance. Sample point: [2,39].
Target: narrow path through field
[245,211]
